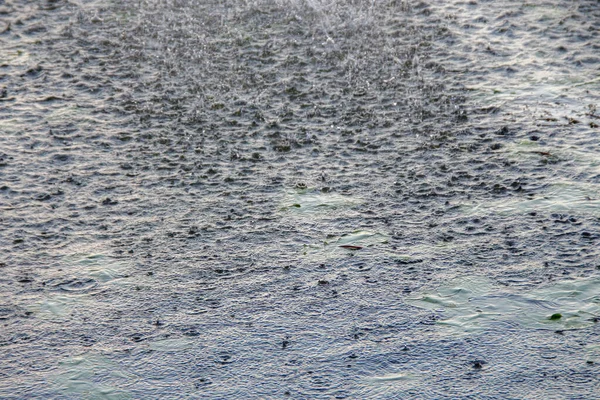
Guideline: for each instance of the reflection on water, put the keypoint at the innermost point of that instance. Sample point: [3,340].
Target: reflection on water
[474,304]
[568,198]
[85,376]
[312,202]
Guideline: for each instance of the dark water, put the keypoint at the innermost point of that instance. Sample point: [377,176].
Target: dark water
[299,199]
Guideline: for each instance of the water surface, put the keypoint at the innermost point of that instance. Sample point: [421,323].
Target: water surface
[303,199]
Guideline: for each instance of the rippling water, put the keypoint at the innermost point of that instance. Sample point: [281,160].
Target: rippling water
[270,199]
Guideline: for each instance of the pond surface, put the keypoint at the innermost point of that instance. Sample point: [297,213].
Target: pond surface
[234,199]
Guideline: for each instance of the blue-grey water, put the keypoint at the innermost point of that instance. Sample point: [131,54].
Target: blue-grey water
[304,199]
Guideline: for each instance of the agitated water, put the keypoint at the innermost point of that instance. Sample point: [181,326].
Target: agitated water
[299,199]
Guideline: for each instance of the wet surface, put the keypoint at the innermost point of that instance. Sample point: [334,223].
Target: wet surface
[231,199]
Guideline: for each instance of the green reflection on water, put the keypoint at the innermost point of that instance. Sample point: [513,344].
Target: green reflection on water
[311,201]
[471,304]
[86,375]
[566,197]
